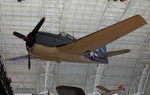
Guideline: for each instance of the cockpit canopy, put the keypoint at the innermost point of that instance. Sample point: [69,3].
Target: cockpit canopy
[66,35]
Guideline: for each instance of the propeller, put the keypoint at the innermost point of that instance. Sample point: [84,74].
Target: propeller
[37,27]
[30,38]
[19,35]
[29,62]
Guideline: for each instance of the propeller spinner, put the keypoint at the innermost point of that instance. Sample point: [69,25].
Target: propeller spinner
[30,38]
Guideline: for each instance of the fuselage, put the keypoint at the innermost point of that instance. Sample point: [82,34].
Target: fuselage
[46,44]
[53,40]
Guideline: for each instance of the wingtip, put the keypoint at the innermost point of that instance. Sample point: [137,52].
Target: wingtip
[127,50]
[44,18]
[98,86]
[142,19]
[13,32]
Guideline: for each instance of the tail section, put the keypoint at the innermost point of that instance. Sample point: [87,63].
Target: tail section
[101,54]
[96,55]
[114,53]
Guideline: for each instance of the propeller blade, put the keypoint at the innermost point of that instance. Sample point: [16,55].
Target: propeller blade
[19,35]
[29,63]
[37,27]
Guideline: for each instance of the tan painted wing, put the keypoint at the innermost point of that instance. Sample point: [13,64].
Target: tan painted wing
[103,37]
[113,53]
[24,58]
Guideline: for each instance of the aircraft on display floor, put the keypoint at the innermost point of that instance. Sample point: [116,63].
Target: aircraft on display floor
[64,47]
[109,92]
[69,90]
[64,90]
[20,0]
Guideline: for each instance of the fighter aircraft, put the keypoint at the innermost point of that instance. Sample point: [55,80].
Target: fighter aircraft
[109,92]
[64,47]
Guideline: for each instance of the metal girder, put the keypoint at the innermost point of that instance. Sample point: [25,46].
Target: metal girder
[2,30]
[101,67]
[47,79]
[140,76]
[143,79]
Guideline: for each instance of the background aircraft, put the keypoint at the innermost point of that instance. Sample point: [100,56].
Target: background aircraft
[109,92]
[20,0]
[69,90]
[64,90]
[64,47]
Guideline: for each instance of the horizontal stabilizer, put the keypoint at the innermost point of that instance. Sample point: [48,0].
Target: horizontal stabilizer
[113,53]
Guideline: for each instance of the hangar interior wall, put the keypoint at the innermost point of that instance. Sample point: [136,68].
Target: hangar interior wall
[78,18]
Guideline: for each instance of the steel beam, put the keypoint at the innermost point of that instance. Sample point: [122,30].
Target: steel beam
[145,69]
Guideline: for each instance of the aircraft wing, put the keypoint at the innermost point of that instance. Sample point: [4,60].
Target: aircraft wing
[24,58]
[103,37]
[103,88]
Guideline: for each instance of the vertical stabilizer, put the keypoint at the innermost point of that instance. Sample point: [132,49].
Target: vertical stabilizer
[96,55]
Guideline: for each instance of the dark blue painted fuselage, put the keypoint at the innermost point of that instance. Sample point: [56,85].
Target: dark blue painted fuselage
[53,40]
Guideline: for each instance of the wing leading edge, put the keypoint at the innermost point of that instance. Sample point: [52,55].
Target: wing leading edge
[103,37]
[24,58]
